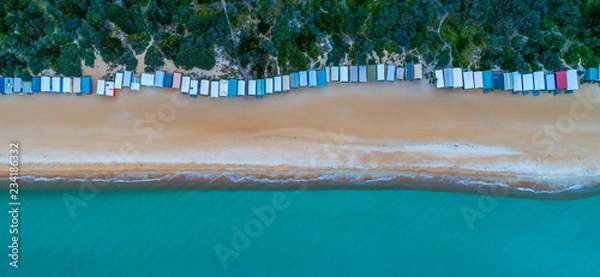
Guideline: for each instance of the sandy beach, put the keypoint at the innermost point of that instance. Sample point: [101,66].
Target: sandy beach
[356,131]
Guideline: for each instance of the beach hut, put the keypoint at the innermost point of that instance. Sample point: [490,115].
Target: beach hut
[269,86]
[457,77]
[517,82]
[508,83]
[498,81]
[135,83]
[277,84]
[27,88]
[354,74]
[572,81]
[2,85]
[260,88]
[561,81]
[539,82]
[371,72]
[391,71]
[193,88]
[57,84]
[418,73]
[344,74]
[448,78]
[204,87]
[362,73]
[241,88]
[488,82]
[36,85]
[328,73]
[118,80]
[380,72]
[550,82]
[147,79]
[468,80]
[8,85]
[312,78]
[591,74]
[110,89]
[527,83]
[335,74]
[127,79]
[185,84]
[177,80]
[18,86]
[399,73]
[214,89]
[303,78]
[439,78]
[100,87]
[478,79]
[159,78]
[67,85]
[252,88]
[410,73]
[294,80]
[168,80]
[321,78]
[286,82]
[77,85]
[45,84]
[232,88]
[223,88]
[86,85]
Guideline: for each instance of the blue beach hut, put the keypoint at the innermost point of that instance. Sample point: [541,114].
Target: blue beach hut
[409,71]
[591,75]
[488,82]
[260,88]
[2,85]
[168,80]
[36,85]
[321,78]
[86,85]
[448,78]
[294,80]
[498,80]
[232,88]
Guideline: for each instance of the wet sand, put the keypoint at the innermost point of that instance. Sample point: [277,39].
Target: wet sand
[362,132]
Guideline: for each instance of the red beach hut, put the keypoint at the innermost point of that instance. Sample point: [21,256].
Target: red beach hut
[561,80]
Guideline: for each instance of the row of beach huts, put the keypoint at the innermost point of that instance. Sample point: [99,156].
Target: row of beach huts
[534,82]
[212,88]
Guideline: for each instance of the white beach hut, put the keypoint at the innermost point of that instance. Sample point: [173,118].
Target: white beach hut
[478,79]
[18,86]
[391,71]
[269,86]
[538,81]
[193,87]
[550,82]
[251,87]
[517,81]
[223,88]
[508,81]
[9,85]
[76,85]
[418,73]
[312,78]
[327,74]
[335,74]
[159,79]
[119,80]
[135,83]
[127,79]
[204,87]
[67,85]
[303,78]
[380,72]
[572,80]
[399,73]
[241,86]
[344,74]
[45,84]
[362,73]
[214,89]
[277,85]
[100,87]
[458,77]
[527,81]
[56,84]
[439,77]
[286,82]
[147,79]
[354,74]
[185,84]
[468,80]
[110,89]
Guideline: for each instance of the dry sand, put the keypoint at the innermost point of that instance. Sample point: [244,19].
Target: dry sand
[363,130]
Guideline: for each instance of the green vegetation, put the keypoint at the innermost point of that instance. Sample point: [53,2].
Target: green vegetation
[268,37]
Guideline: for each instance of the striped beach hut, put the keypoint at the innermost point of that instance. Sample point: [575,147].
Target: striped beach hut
[344,74]
[127,79]
[457,77]
[232,88]
[527,83]
[517,82]
[45,84]
[439,78]
[498,81]
[286,82]
[260,87]
[418,74]
[159,78]
[409,72]
[591,74]
[177,80]
[204,87]
[168,80]
[110,89]
[508,82]
[335,74]
[36,85]
[488,82]
[100,87]
[561,81]
[147,79]
[57,84]
[86,85]
[77,85]
[371,73]
[550,82]
[354,74]
[193,88]
[27,88]
[539,82]
[136,83]
[478,79]
[241,88]
[380,72]
[468,80]
[362,73]
[185,84]
[67,85]
[321,78]
[572,81]
[269,86]
[448,78]
[312,78]
[119,80]
[214,89]
[223,88]
[303,78]
[391,71]
[277,86]
[252,88]
[399,73]
[294,80]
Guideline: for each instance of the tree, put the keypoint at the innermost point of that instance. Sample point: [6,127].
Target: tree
[69,62]
[153,59]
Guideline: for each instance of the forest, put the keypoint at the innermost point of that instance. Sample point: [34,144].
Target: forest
[260,37]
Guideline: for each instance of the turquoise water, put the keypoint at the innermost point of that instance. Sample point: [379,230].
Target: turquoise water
[314,233]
